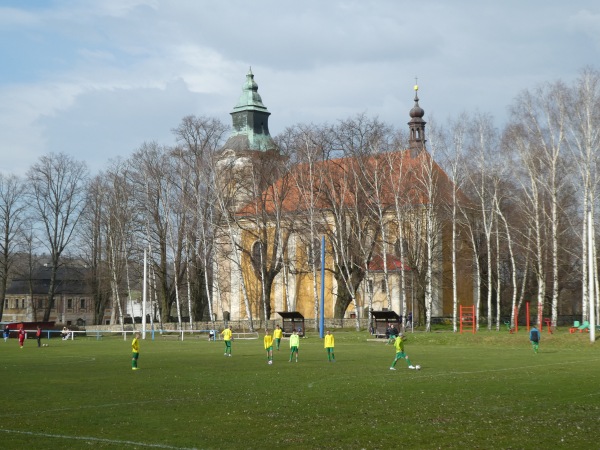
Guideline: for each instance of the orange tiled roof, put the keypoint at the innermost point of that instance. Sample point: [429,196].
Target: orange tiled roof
[339,180]
[392,263]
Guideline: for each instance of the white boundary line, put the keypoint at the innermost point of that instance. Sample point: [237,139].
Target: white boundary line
[88,438]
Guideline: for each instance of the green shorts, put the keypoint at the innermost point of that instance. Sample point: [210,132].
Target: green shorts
[294,349]
[228,344]
[269,349]
[400,355]
[135,355]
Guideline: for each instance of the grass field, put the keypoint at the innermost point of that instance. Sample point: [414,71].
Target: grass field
[483,391]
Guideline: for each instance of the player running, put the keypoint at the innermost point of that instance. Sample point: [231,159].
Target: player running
[400,354]
[534,338]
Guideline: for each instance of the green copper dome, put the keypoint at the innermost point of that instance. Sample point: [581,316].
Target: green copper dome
[250,121]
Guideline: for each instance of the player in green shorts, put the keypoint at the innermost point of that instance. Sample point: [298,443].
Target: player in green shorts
[329,345]
[227,337]
[399,346]
[277,335]
[268,342]
[135,351]
[294,344]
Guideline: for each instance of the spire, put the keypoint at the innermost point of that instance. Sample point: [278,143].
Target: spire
[250,120]
[250,97]
[416,141]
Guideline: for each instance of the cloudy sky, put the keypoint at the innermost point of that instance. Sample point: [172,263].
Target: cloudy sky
[96,79]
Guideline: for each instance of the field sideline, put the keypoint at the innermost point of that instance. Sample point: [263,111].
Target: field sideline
[487,390]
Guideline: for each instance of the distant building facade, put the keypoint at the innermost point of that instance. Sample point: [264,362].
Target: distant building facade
[27,297]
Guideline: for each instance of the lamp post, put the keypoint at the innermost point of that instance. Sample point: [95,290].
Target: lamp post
[412,294]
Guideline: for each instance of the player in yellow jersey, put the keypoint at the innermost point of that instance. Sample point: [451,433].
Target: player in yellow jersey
[329,345]
[135,349]
[399,346]
[277,335]
[268,342]
[227,337]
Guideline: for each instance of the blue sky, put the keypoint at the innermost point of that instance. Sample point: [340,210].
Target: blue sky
[96,79]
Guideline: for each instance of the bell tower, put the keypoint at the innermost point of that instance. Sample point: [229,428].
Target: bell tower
[416,141]
[250,121]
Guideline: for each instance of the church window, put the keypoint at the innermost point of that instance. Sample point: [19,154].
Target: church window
[257,255]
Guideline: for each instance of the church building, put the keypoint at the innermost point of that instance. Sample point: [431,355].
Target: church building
[269,250]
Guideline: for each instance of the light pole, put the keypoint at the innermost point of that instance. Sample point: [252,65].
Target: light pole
[412,294]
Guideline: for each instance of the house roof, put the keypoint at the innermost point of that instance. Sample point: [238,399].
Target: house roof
[69,280]
[290,314]
[385,316]
[400,175]
[392,262]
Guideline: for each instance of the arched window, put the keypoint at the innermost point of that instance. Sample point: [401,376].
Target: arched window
[257,255]
[404,247]
[313,255]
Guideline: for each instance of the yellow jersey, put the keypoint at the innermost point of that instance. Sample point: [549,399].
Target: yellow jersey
[268,341]
[226,334]
[135,345]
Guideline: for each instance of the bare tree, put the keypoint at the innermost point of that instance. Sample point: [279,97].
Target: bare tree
[57,187]
[543,115]
[265,221]
[308,145]
[355,233]
[454,153]
[13,208]
[94,246]
[199,139]
[483,185]
[583,141]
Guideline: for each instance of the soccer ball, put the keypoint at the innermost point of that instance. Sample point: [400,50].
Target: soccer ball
[418,367]
[270,362]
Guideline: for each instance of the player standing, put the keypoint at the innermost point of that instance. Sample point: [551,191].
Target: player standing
[329,345]
[294,344]
[278,334]
[268,342]
[227,336]
[38,336]
[135,351]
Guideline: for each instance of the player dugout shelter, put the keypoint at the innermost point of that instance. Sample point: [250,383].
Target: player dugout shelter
[382,319]
[292,320]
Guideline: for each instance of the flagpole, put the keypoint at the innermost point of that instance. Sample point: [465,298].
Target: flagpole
[322,321]
[591,271]
[144,299]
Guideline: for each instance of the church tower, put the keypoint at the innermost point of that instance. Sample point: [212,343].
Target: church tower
[416,141]
[247,163]
[250,121]
[241,161]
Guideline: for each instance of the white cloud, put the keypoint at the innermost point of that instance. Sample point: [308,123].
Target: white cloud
[99,78]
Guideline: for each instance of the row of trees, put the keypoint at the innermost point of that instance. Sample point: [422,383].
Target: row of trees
[514,198]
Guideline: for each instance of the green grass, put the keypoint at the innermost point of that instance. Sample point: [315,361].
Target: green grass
[474,391]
